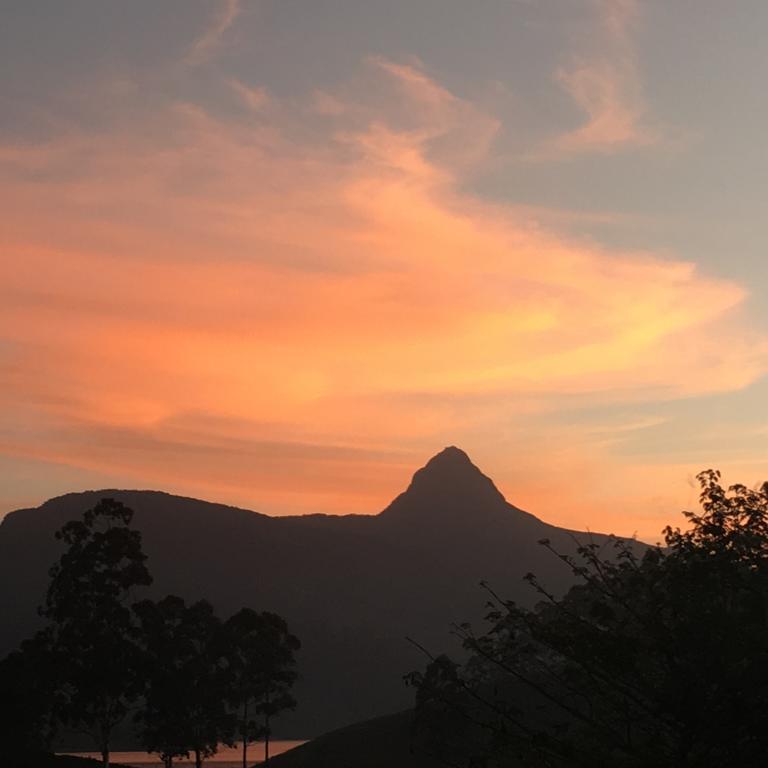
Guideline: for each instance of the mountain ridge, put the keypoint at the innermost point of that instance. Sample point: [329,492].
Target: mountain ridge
[352,587]
[439,467]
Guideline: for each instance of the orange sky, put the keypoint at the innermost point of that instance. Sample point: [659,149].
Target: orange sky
[225,303]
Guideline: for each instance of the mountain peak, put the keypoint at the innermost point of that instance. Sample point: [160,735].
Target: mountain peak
[449,487]
[450,456]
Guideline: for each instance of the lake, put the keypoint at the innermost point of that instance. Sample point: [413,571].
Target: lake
[226,757]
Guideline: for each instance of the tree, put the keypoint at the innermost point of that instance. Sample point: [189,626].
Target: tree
[655,658]
[184,652]
[91,628]
[27,704]
[167,647]
[261,672]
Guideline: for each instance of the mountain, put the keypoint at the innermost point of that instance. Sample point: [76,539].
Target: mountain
[351,587]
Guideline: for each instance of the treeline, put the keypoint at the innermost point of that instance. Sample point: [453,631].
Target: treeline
[187,680]
[656,658]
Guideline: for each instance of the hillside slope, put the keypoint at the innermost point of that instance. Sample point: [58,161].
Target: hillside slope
[383,742]
[351,587]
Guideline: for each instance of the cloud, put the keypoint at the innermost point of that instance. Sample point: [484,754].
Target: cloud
[272,311]
[211,38]
[604,83]
[253,98]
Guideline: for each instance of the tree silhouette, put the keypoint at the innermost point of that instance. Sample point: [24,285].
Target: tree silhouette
[261,661]
[27,693]
[91,628]
[167,648]
[184,670]
[100,653]
[657,658]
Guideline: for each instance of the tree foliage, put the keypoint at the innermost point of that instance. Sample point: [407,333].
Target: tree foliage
[27,693]
[261,672]
[657,657]
[185,679]
[90,621]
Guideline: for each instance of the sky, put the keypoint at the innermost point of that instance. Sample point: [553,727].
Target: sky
[277,253]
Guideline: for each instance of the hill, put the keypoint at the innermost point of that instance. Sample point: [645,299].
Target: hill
[351,587]
[46,760]
[379,743]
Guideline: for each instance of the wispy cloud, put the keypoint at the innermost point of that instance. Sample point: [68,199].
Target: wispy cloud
[253,98]
[604,82]
[211,38]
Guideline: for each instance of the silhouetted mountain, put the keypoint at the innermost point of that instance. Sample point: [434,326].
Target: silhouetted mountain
[450,491]
[351,587]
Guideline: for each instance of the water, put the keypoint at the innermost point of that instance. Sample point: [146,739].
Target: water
[226,757]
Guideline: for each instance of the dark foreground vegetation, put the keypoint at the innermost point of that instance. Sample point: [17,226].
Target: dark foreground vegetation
[186,679]
[657,660]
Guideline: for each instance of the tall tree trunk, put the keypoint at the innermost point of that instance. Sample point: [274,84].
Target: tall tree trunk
[266,743]
[244,733]
[198,759]
[104,747]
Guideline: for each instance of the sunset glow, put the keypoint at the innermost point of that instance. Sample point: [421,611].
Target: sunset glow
[288,299]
